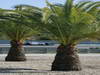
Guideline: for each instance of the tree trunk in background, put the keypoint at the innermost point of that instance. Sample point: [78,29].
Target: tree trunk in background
[16,52]
[66,59]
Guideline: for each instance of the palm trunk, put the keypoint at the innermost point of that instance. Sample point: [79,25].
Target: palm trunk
[66,59]
[16,52]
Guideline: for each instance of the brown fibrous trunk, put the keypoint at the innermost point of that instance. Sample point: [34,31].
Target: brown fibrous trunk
[16,52]
[66,59]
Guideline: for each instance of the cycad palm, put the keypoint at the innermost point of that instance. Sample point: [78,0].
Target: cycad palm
[70,24]
[14,26]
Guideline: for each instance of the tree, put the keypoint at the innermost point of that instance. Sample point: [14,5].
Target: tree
[14,25]
[69,24]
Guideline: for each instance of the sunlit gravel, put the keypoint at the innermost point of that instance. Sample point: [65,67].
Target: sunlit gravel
[40,64]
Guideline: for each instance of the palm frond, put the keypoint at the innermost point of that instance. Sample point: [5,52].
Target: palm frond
[67,7]
[15,25]
[75,26]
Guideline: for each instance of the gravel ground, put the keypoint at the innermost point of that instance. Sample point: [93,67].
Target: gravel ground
[39,64]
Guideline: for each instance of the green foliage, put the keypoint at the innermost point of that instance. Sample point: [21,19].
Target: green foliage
[34,14]
[14,25]
[71,23]
[68,23]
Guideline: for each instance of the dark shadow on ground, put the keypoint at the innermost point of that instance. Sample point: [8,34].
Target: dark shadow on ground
[92,66]
[21,70]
